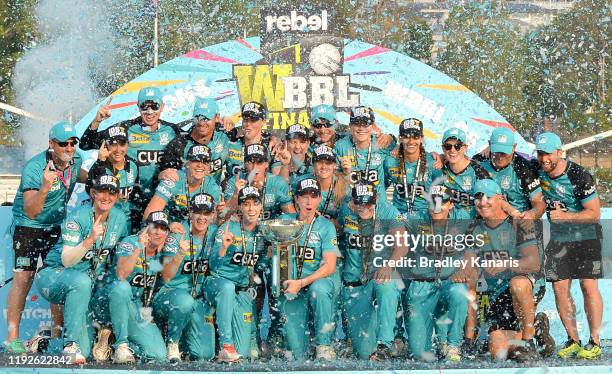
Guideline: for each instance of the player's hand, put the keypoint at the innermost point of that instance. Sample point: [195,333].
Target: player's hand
[143,237]
[49,176]
[525,220]
[383,275]
[103,152]
[346,163]
[169,174]
[220,208]
[283,155]
[292,286]
[228,124]
[384,140]
[486,152]
[275,145]
[177,228]
[103,113]
[228,238]
[184,245]
[438,160]
[557,214]
[97,229]
[240,184]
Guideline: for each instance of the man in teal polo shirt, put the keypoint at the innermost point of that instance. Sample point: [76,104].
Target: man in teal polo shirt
[47,182]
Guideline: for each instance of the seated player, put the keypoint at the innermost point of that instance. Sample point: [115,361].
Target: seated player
[124,303]
[80,260]
[237,249]
[368,281]
[312,292]
[510,262]
[179,301]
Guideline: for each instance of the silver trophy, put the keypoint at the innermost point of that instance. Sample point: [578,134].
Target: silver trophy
[283,233]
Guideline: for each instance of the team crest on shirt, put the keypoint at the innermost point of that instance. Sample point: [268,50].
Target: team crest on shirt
[112,239]
[467,183]
[376,159]
[505,182]
[560,189]
[130,177]
[269,199]
[504,237]
[218,148]
[164,139]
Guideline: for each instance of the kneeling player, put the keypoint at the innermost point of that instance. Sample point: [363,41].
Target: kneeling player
[125,300]
[234,255]
[316,284]
[366,279]
[179,301]
[511,264]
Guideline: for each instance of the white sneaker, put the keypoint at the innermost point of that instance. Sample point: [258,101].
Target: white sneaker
[325,352]
[73,351]
[174,355]
[229,354]
[101,350]
[123,354]
[398,348]
[453,354]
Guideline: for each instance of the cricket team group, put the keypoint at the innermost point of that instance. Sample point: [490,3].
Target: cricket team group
[165,260]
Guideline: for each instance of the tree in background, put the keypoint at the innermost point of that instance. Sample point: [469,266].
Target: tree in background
[486,53]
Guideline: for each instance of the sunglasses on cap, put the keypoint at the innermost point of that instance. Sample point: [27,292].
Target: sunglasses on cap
[152,106]
[71,143]
[448,146]
[320,123]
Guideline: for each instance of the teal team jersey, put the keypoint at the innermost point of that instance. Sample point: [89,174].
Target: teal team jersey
[194,262]
[276,194]
[239,261]
[461,185]
[137,278]
[175,194]
[322,240]
[501,243]
[54,209]
[570,190]
[77,227]
[375,169]
[428,251]
[146,147]
[518,181]
[357,236]
[395,177]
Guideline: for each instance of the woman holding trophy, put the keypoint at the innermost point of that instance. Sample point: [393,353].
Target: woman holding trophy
[316,282]
[234,255]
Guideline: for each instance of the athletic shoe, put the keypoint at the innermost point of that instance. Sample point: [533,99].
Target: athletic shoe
[525,352]
[570,349]
[123,354]
[101,350]
[15,347]
[174,354]
[546,343]
[229,354]
[382,353]
[73,351]
[452,354]
[344,348]
[37,344]
[398,348]
[254,351]
[590,351]
[325,352]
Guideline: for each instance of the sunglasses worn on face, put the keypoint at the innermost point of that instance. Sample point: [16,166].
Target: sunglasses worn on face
[448,147]
[152,106]
[66,144]
[320,124]
[410,136]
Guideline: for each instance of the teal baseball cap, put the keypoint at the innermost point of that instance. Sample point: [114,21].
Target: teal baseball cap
[150,94]
[456,133]
[323,111]
[62,131]
[548,142]
[205,107]
[502,140]
[487,187]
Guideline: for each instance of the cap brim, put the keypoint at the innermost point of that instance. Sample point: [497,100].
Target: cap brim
[252,115]
[106,187]
[308,190]
[156,101]
[242,199]
[502,148]
[116,139]
[364,200]
[300,135]
[411,132]
[356,120]
[255,158]
[454,137]
[199,158]
[66,138]
[201,208]
[324,158]
[547,149]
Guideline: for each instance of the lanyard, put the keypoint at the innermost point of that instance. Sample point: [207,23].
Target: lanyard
[65,181]
[329,196]
[367,167]
[300,259]
[244,246]
[194,275]
[368,244]
[410,204]
[435,249]
[97,253]
[147,298]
